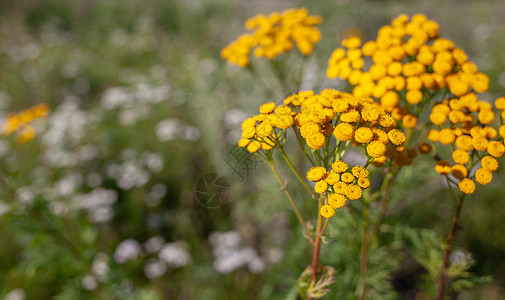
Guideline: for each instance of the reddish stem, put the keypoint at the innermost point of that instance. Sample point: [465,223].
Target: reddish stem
[447,251]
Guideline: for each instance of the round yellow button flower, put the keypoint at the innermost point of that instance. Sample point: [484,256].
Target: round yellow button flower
[316,141]
[316,173]
[332,177]
[336,200]
[496,149]
[359,172]
[460,156]
[363,183]
[464,142]
[344,132]
[443,167]
[340,187]
[396,137]
[467,186]
[339,166]
[327,211]
[446,136]
[254,146]
[353,192]
[489,163]
[483,176]
[267,108]
[321,187]
[347,177]
[376,149]
[363,135]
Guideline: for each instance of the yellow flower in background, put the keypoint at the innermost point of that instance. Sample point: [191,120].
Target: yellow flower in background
[275,34]
[22,122]
[327,211]
[467,186]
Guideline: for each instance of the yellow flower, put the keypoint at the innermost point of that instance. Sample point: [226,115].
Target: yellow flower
[336,200]
[321,187]
[264,129]
[363,183]
[340,187]
[327,211]
[486,116]
[467,186]
[386,121]
[446,136]
[489,163]
[499,103]
[459,171]
[339,166]
[316,173]
[409,121]
[353,192]
[464,142]
[347,177]
[350,116]
[483,176]
[496,149]
[460,156]
[414,96]
[243,143]
[254,146]
[267,108]
[480,143]
[376,149]
[344,132]
[332,178]
[443,167]
[363,135]
[396,137]
[359,172]
[389,99]
[379,161]
[316,141]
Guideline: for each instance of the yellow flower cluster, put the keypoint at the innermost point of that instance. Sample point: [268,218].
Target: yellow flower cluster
[340,184]
[407,58]
[259,132]
[465,123]
[21,122]
[348,118]
[275,34]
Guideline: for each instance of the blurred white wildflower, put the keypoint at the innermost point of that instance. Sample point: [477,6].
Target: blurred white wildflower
[94,179]
[116,96]
[4,208]
[230,255]
[158,191]
[174,254]
[153,161]
[132,175]
[171,129]
[154,244]
[89,283]
[15,294]
[100,267]
[25,195]
[126,250]
[154,269]
[461,258]
[68,184]
[98,203]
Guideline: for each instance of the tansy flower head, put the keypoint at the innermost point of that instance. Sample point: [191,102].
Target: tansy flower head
[353,192]
[344,132]
[347,177]
[339,166]
[359,172]
[460,156]
[316,173]
[483,176]
[363,135]
[396,137]
[327,211]
[467,186]
[376,149]
[496,149]
[443,167]
[267,108]
[321,187]
[340,187]
[489,163]
[363,183]
[336,200]
[459,171]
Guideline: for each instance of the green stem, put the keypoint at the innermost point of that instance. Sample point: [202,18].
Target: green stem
[364,250]
[297,174]
[291,201]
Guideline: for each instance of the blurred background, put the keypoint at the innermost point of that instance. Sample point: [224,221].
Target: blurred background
[111,200]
